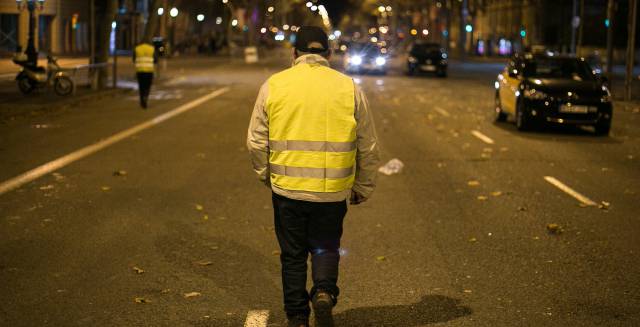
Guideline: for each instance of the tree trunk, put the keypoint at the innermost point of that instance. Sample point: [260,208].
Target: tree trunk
[106,14]
[153,21]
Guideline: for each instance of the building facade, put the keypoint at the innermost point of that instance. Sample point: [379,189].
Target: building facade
[64,26]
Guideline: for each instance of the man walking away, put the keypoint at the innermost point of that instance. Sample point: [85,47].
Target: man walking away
[312,140]
[145,57]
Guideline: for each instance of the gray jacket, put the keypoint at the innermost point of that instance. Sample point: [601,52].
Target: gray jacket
[367,156]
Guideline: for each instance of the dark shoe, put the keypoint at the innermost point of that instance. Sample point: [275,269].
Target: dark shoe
[297,321]
[322,304]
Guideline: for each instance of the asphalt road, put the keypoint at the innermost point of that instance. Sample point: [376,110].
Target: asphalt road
[458,238]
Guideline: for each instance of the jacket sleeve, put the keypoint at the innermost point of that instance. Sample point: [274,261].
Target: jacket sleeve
[258,136]
[367,156]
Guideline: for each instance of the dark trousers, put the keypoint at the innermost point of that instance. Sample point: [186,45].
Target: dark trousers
[144,86]
[305,228]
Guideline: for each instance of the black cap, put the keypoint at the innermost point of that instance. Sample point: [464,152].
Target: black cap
[311,39]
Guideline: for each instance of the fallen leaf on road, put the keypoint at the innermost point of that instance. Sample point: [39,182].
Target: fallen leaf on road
[473,183]
[554,229]
[440,165]
[468,291]
[106,188]
[119,173]
[276,252]
[205,217]
[504,149]
[199,207]
[58,176]
[522,208]
[204,263]
[473,240]
[192,294]
[141,300]
[482,198]
[46,187]
[487,150]
[630,157]
[583,205]
[214,248]
[604,169]
[496,193]
[604,205]
[165,291]
[201,155]
[485,156]
[381,258]
[138,270]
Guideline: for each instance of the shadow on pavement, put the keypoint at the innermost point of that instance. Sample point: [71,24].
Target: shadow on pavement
[559,133]
[431,309]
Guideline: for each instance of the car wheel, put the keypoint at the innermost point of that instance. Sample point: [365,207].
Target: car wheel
[500,115]
[523,121]
[603,128]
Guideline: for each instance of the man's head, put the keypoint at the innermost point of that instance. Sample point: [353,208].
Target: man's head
[311,40]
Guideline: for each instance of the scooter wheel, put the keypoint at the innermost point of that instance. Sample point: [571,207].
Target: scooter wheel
[63,86]
[25,85]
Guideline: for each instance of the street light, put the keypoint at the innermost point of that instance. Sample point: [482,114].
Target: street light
[174,12]
[32,6]
[160,11]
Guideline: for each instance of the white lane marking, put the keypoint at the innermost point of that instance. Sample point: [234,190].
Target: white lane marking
[553,181]
[482,137]
[421,98]
[56,164]
[257,318]
[442,111]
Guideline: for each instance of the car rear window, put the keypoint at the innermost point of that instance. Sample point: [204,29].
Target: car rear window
[422,49]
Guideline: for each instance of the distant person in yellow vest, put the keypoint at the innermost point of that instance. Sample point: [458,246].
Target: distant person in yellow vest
[312,141]
[145,58]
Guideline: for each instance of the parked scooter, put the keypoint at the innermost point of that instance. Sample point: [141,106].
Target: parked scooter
[34,77]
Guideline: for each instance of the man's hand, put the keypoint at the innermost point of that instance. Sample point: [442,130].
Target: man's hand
[356,198]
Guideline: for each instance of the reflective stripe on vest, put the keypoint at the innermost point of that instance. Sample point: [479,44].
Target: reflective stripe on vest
[144,58]
[312,129]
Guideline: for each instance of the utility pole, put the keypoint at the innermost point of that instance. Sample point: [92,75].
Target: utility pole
[462,40]
[631,44]
[575,22]
[92,14]
[610,14]
[580,29]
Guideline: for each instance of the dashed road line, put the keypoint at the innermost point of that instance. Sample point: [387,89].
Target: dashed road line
[257,318]
[442,111]
[63,161]
[585,200]
[482,137]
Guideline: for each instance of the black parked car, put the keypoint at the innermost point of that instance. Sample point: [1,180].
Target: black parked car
[546,88]
[427,57]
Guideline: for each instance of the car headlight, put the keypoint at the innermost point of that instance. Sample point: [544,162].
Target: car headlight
[380,61]
[412,59]
[534,94]
[355,60]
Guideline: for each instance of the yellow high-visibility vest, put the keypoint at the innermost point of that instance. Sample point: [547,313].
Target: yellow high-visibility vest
[144,58]
[312,129]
